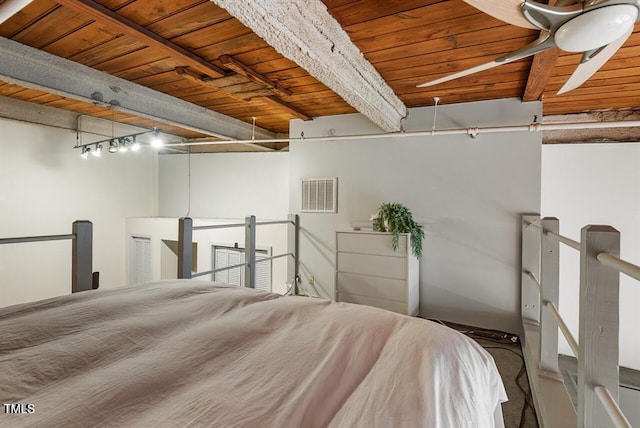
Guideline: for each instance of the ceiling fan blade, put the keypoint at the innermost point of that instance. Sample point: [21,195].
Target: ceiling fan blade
[505,10]
[587,69]
[544,42]
[463,73]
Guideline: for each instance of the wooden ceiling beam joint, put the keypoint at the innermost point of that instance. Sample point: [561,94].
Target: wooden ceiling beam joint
[279,104]
[242,69]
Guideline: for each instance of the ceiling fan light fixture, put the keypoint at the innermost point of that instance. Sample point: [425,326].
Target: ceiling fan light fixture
[596,28]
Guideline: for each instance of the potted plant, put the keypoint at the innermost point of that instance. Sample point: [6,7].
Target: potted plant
[395,218]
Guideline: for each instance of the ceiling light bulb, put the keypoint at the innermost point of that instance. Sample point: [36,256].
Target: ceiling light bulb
[85,152]
[98,150]
[113,146]
[156,141]
[596,28]
[135,146]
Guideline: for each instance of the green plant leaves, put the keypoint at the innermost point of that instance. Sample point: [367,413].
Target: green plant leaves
[396,218]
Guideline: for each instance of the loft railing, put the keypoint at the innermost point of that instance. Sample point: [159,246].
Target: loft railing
[597,347]
[185,254]
[81,252]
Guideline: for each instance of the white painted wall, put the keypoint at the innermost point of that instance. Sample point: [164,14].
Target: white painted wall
[596,184]
[469,194]
[44,186]
[225,185]
[267,236]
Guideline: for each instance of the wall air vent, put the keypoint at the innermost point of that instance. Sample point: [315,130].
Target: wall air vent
[319,195]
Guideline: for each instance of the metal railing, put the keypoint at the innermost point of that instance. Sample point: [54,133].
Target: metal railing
[81,252]
[597,347]
[185,252]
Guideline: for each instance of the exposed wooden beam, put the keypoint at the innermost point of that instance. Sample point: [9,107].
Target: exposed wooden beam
[107,16]
[236,86]
[243,92]
[279,104]
[540,71]
[35,69]
[304,32]
[240,68]
[539,74]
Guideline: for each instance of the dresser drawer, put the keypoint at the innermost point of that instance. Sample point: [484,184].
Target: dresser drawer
[371,243]
[372,286]
[365,264]
[389,305]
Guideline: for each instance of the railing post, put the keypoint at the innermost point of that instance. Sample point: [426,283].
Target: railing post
[250,252]
[530,296]
[82,256]
[185,245]
[599,324]
[293,247]
[549,282]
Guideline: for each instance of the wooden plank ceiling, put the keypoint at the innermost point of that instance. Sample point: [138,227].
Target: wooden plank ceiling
[196,51]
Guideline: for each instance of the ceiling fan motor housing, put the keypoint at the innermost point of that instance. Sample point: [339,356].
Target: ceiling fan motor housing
[596,27]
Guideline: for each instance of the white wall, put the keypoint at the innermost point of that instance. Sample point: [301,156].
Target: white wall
[469,194]
[225,185]
[596,184]
[44,186]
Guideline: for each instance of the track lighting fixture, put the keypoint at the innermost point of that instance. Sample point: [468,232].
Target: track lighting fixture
[135,145]
[156,141]
[119,144]
[85,152]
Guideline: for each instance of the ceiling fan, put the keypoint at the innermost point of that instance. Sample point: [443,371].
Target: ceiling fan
[597,28]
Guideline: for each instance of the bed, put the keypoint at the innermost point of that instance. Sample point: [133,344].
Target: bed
[194,353]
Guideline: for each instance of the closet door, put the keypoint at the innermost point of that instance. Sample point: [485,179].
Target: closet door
[140,260]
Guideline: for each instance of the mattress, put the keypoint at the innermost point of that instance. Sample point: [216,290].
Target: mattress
[193,353]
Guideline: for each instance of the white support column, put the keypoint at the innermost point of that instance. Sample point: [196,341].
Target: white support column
[185,245]
[530,296]
[549,281]
[250,252]
[599,325]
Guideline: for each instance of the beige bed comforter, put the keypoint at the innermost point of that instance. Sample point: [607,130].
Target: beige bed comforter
[191,353]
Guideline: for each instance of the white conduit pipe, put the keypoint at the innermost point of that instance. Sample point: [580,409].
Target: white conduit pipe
[11,7]
[472,132]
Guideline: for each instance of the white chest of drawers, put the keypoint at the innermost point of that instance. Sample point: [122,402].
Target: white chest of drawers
[370,272]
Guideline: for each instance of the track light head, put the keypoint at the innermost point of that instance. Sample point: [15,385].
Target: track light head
[135,145]
[98,150]
[113,146]
[123,145]
[85,152]
[156,141]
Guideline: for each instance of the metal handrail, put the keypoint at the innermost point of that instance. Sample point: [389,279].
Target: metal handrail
[613,410]
[266,259]
[567,241]
[36,239]
[620,265]
[218,226]
[265,223]
[573,343]
[209,272]
[563,239]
